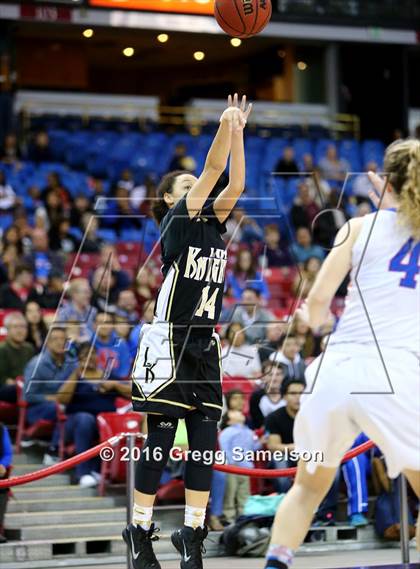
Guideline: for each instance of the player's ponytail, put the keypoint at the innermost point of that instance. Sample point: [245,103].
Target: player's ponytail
[160,207]
[402,164]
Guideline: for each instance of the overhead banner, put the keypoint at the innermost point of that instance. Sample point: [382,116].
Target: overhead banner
[178,6]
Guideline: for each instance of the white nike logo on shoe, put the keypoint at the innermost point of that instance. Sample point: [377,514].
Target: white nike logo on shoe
[133,549]
[186,557]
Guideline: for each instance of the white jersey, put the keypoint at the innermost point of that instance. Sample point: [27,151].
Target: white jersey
[383,302]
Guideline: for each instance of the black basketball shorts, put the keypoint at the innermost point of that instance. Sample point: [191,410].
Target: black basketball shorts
[173,375]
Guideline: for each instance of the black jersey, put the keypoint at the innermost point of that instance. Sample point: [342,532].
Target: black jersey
[194,262]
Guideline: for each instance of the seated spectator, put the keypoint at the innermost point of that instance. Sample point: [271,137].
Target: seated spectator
[123,327]
[307,344]
[19,290]
[333,168]
[6,457]
[52,211]
[92,243]
[240,228]
[55,186]
[303,248]
[251,316]
[304,209]
[181,160]
[332,219]
[290,357]
[145,287]
[126,180]
[39,150]
[362,185]
[15,352]
[235,434]
[105,292]
[62,239]
[238,357]
[274,333]
[134,337]
[52,291]
[276,253]
[304,281]
[11,236]
[8,199]
[37,329]
[85,395]
[81,206]
[109,259]
[287,164]
[41,259]
[79,309]
[143,193]
[10,152]
[308,163]
[9,261]
[279,427]
[127,305]
[44,375]
[245,274]
[268,398]
[319,188]
[113,353]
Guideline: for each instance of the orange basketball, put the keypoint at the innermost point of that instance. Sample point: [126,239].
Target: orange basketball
[242,18]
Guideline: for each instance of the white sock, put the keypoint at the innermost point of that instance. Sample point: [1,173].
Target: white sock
[194,517]
[142,516]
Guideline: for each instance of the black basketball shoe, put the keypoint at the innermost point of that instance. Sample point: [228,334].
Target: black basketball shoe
[141,547]
[190,544]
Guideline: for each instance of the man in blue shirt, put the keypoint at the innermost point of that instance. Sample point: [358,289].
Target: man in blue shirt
[303,249]
[113,352]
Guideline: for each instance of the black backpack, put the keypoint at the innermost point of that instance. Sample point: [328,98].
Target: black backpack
[249,536]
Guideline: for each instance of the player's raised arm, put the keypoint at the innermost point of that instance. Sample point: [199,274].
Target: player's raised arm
[216,161]
[332,273]
[227,199]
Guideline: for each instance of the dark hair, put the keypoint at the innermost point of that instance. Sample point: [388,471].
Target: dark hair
[229,330]
[85,348]
[252,271]
[288,382]
[160,207]
[23,268]
[231,394]
[254,290]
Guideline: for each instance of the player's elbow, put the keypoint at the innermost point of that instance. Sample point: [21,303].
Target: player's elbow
[215,166]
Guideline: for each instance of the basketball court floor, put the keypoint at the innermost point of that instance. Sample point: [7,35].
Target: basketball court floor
[379,559]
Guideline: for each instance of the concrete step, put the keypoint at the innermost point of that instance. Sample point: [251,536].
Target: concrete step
[45,492]
[53,504]
[70,531]
[27,457]
[26,468]
[341,532]
[53,480]
[56,518]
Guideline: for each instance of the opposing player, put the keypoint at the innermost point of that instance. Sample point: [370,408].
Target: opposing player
[177,371]
[368,379]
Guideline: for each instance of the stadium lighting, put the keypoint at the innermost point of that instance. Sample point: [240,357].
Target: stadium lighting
[302,65]
[199,55]
[235,42]
[163,38]
[128,51]
[88,33]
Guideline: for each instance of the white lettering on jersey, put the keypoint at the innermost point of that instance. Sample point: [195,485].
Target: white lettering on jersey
[207,269]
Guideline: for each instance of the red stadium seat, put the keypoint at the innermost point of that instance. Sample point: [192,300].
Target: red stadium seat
[171,492]
[110,424]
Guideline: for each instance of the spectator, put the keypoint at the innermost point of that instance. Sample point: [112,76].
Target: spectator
[8,198]
[319,188]
[10,152]
[355,473]
[362,185]
[333,168]
[92,243]
[80,207]
[240,228]
[276,253]
[126,180]
[303,249]
[268,398]
[19,291]
[37,329]
[279,427]
[39,150]
[332,219]
[123,327]
[127,305]
[105,292]
[290,357]
[62,239]
[120,213]
[44,375]
[141,193]
[11,236]
[307,344]
[145,287]
[304,209]
[15,353]
[52,292]
[308,163]
[270,344]
[109,258]
[54,185]
[79,309]
[304,281]
[181,160]
[6,456]
[244,275]
[236,435]
[52,211]
[252,317]
[9,261]
[41,259]
[85,395]
[287,164]
[113,353]
[238,357]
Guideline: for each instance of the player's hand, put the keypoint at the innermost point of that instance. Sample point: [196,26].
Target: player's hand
[302,313]
[236,115]
[380,196]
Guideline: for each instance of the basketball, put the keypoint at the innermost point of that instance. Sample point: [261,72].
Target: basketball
[242,18]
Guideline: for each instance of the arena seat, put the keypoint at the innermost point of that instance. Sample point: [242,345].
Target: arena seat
[110,424]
